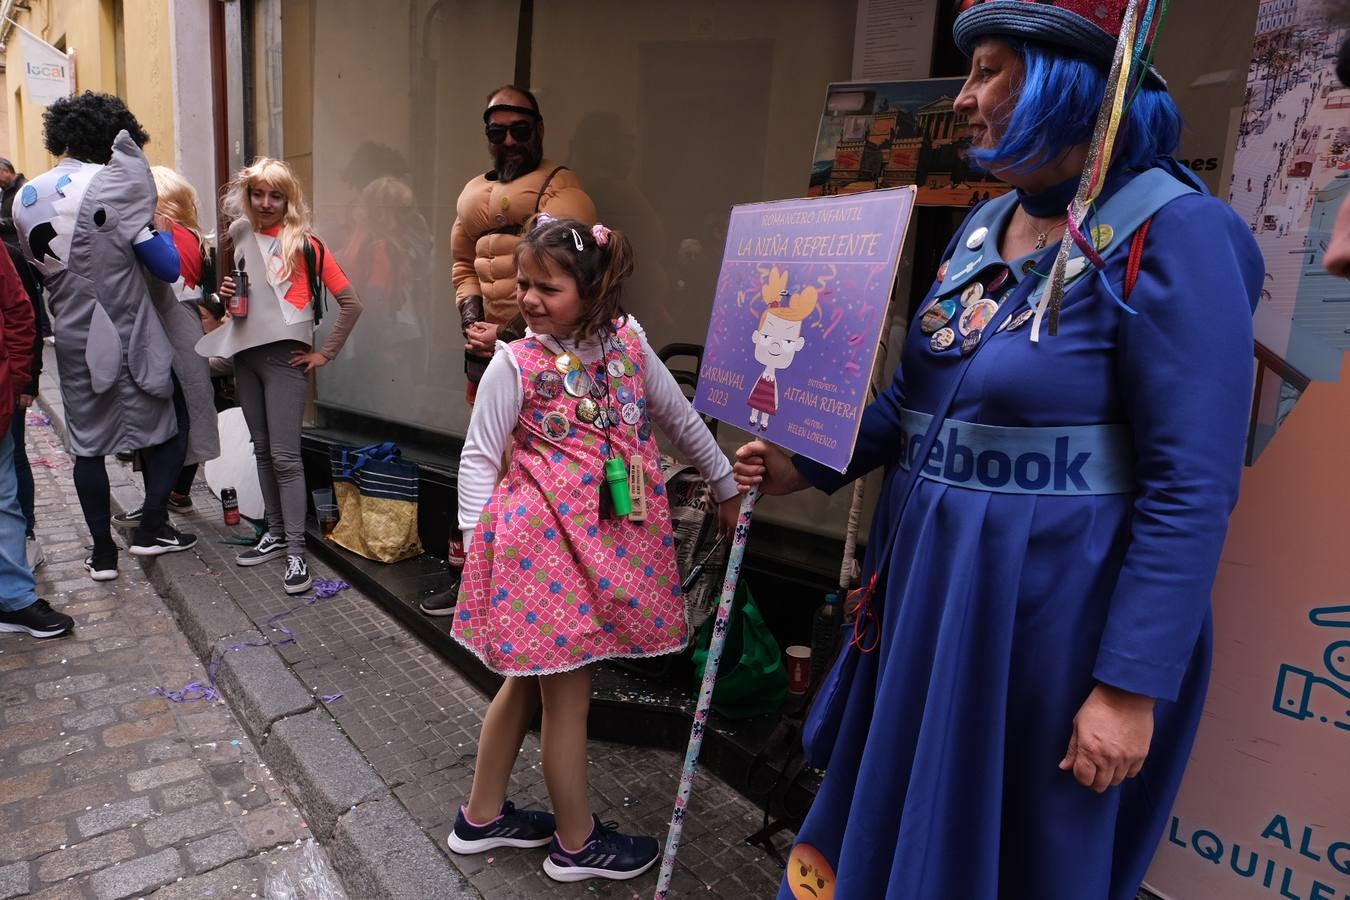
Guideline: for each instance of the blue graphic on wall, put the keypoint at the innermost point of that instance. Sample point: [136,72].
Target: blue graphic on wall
[1301,694]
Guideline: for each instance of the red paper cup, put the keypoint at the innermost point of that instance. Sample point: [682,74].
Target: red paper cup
[799,668]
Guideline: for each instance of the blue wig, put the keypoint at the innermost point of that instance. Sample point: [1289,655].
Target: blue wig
[1057,109]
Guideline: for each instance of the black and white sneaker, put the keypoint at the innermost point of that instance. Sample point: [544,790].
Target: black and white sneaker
[102,565]
[512,828]
[268,547]
[129,519]
[169,540]
[606,854]
[298,579]
[441,603]
[38,619]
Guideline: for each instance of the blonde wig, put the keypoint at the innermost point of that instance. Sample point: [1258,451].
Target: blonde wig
[295,224]
[177,201]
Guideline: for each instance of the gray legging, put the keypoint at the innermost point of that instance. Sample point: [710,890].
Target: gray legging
[272,395]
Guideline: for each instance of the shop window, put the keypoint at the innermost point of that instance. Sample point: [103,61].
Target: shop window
[398,92]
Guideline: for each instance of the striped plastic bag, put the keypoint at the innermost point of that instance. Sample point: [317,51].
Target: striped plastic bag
[376,492]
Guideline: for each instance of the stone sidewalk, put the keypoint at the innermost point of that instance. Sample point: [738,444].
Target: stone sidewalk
[107,791]
[413,719]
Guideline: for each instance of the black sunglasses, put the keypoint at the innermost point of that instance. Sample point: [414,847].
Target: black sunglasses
[520,131]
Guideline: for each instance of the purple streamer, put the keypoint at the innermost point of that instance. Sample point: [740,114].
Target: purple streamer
[324,588]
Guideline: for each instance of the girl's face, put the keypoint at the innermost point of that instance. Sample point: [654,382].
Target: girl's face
[989,94]
[269,204]
[547,296]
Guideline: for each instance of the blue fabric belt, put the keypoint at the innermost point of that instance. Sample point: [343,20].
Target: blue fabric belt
[1076,460]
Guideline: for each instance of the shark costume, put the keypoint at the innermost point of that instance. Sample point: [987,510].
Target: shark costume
[78,225]
[86,228]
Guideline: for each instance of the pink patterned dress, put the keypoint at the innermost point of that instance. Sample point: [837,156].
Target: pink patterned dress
[548,585]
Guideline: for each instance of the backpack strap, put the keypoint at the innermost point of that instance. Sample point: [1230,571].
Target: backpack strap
[543,188]
[315,267]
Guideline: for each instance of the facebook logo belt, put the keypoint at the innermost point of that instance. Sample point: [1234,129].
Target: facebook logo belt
[1075,460]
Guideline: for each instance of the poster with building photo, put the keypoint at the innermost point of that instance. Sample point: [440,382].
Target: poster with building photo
[1291,171]
[891,133]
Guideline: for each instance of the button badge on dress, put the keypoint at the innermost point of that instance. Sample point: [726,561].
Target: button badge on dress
[970,342]
[977,315]
[556,426]
[577,383]
[1020,319]
[942,339]
[938,314]
[615,368]
[972,293]
[976,239]
[630,413]
[588,410]
[548,384]
[566,362]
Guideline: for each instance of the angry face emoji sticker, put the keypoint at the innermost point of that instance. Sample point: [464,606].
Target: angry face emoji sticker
[809,874]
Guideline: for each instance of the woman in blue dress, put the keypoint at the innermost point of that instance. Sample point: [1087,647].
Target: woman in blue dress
[1030,662]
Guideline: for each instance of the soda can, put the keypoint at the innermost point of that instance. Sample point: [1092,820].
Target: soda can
[229,500]
[456,558]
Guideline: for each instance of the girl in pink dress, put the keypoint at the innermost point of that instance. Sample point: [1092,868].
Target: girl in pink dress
[559,574]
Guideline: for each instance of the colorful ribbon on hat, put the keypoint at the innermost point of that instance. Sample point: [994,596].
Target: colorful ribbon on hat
[1130,51]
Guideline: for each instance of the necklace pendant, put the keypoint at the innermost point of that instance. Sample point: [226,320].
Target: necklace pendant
[1040,240]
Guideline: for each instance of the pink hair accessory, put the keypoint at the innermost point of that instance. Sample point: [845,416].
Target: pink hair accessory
[601,234]
[543,219]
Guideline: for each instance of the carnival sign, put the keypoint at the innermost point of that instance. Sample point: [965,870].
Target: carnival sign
[801,302]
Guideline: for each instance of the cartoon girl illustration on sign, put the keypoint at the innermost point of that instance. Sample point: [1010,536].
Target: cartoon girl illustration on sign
[777,341]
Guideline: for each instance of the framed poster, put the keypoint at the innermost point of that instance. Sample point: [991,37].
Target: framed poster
[887,134]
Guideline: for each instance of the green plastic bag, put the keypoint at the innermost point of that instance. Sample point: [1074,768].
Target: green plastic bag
[751,679]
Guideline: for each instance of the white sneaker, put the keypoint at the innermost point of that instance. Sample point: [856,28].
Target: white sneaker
[35,555]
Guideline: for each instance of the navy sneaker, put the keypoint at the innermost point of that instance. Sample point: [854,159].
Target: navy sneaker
[513,828]
[606,854]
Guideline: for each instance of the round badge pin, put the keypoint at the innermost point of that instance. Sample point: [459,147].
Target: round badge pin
[577,383]
[601,420]
[644,432]
[599,385]
[556,426]
[1027,266]
[942,339]
[937,315]
[624,394]
[997,282]
[970,342]
[1075,267]
[1101,236]
[972,293]
[566,362]
[976,239]
[628,368]
[615,368]
[977,316]
[630,413]
[588,410]
[617,343]
[548,384]
[942,271]
[1020,319]
[506,202]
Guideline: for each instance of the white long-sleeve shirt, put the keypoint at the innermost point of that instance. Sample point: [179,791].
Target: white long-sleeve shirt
[497,408]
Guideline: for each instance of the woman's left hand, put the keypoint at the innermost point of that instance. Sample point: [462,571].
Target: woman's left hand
[728,513]
[309,360]
[1111,737]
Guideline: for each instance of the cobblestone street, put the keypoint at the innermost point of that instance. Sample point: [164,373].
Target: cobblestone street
[105,790]
[108,791]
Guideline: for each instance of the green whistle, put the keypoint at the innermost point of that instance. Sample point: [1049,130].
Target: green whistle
[616,473]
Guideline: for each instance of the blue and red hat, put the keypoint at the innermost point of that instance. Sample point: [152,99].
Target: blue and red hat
[1088,27]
